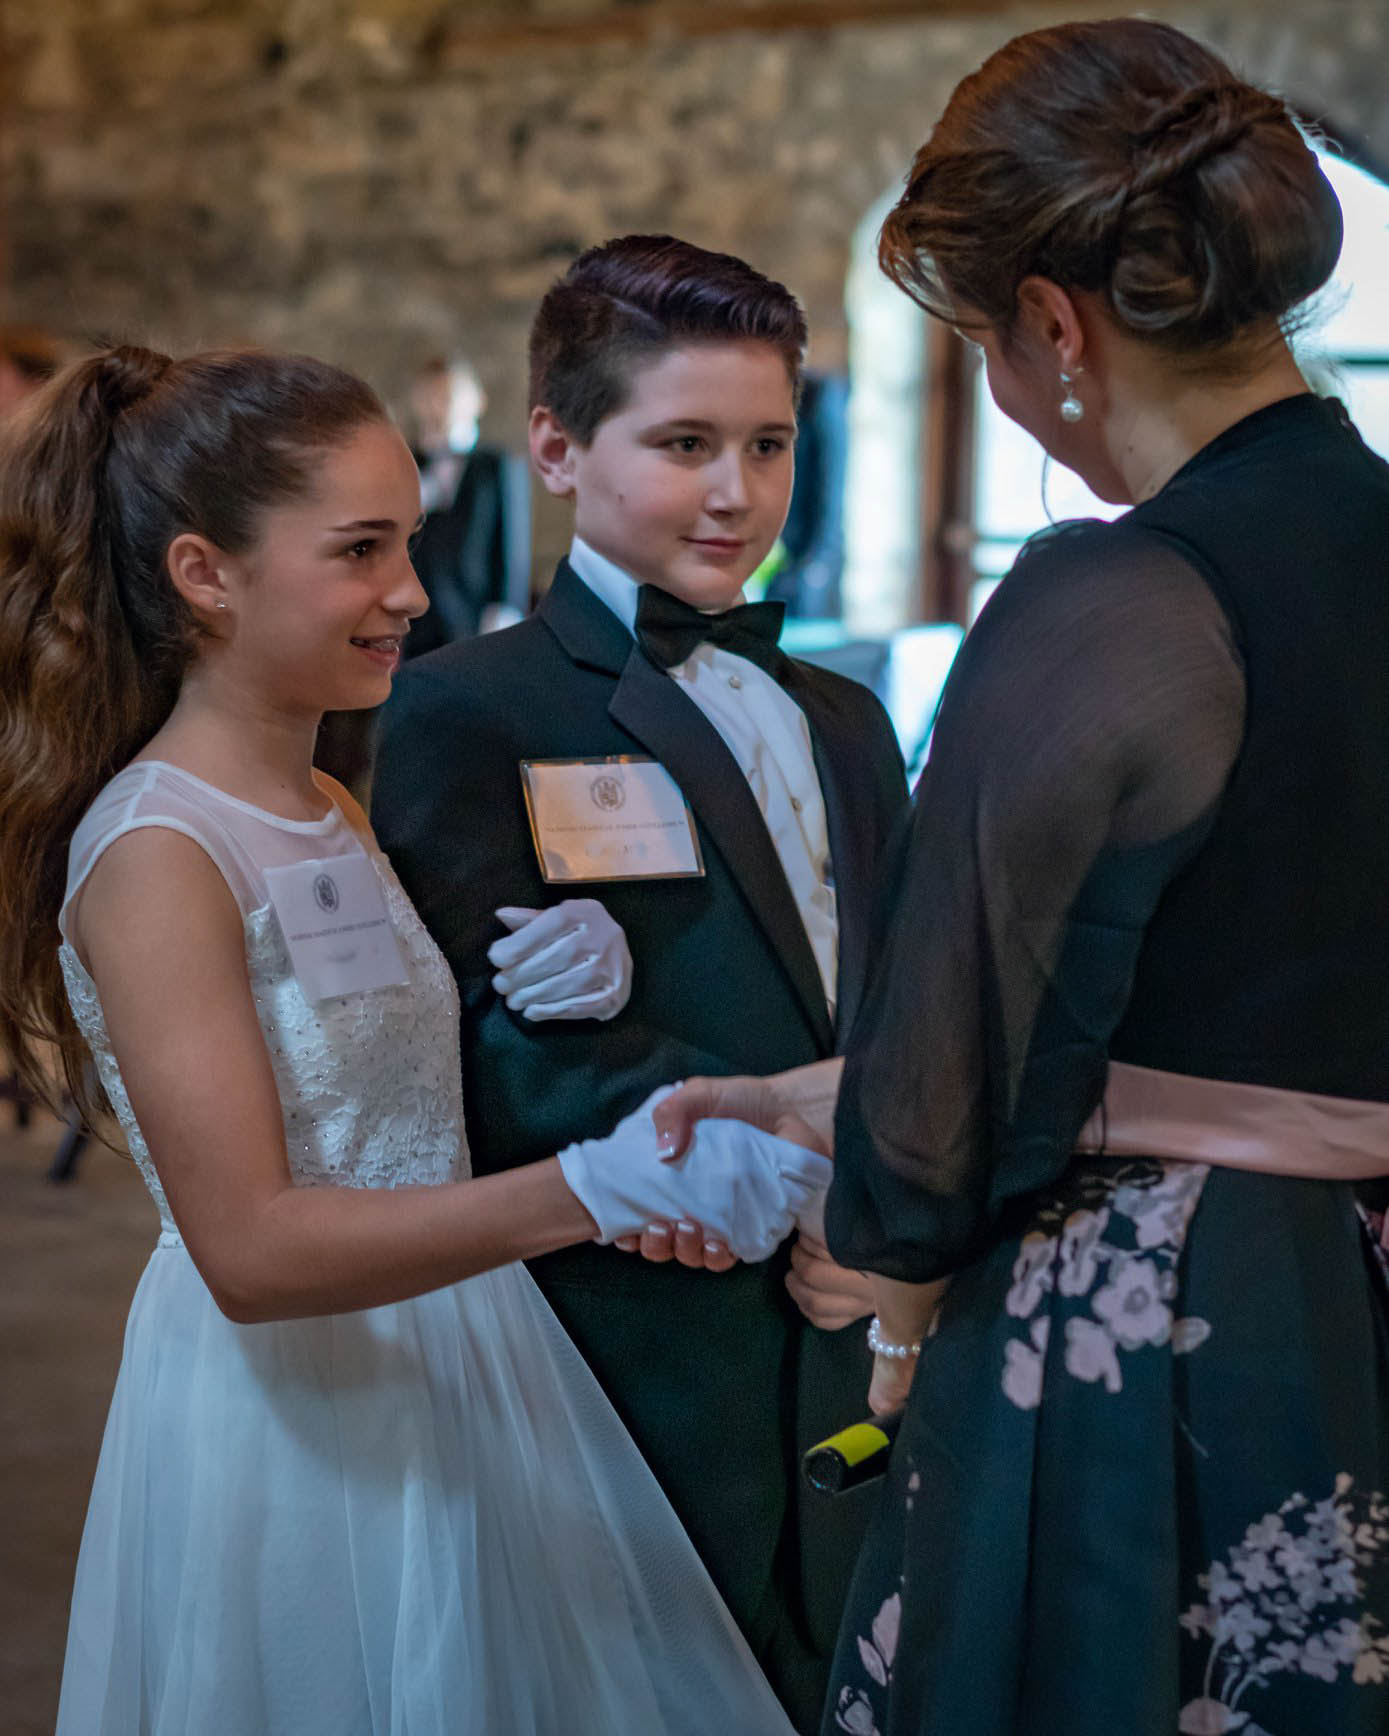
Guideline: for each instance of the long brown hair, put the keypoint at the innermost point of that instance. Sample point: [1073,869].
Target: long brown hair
[99,472]
[1119,157]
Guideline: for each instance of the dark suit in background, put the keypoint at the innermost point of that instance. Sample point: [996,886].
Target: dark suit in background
[719,1378]
[813,535]
[473,550]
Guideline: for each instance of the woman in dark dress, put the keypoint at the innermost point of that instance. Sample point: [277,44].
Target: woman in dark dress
[1123,1076]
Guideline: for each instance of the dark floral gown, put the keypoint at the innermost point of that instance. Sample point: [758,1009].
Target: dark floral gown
[1142,1486]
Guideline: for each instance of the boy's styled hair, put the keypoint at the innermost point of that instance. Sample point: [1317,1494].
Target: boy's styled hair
[630,300]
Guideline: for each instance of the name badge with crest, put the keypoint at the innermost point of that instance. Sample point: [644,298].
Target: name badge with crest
[618,818]
[333,915]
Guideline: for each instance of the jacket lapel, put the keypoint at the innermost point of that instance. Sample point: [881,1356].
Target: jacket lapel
[847,785]
[584,625]
[672,728]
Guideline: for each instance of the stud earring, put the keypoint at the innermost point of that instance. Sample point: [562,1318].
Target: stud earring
[1071,407]
[223,605]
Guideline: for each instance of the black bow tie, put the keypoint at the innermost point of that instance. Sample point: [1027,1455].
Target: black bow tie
[669,630]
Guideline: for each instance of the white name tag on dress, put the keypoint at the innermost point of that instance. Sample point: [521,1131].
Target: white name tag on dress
[333,914]
[620,818]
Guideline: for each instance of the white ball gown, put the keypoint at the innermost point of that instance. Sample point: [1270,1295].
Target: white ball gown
[422,1519]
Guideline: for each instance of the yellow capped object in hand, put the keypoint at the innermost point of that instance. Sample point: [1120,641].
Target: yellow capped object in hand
[853,1456]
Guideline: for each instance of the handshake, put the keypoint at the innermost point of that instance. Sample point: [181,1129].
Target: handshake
[748,1188]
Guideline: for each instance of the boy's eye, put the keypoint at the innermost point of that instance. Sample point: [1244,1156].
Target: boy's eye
[771,443]
[687,443]
[360,550]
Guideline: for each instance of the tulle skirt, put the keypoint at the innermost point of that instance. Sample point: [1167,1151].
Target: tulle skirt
[418,1520]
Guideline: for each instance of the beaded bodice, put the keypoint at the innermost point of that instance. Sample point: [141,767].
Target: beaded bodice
[369,1082]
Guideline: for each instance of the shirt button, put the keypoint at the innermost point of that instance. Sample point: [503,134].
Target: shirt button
[735,681]
[796,803]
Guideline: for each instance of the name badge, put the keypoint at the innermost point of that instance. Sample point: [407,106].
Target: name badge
[333,914]
[620,818]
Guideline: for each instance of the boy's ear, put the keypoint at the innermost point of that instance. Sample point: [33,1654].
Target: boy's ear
[552,452]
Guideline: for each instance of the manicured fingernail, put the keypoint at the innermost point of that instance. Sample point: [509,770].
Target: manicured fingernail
[686,1228]
[665,1146]
[712,1248]
[661,1231]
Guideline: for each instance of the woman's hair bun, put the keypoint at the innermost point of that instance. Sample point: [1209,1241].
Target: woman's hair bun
[1225,220]
[1185,131]
[1124,159]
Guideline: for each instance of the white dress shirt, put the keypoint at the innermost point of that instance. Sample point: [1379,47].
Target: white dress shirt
[767,734]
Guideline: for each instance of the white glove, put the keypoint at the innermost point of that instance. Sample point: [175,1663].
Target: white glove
[568,962]
[748,1188]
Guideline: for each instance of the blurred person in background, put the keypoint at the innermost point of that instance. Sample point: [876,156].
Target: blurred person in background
[28,357]
[472,553]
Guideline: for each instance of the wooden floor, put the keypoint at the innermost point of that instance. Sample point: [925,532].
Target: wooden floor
[69,1260]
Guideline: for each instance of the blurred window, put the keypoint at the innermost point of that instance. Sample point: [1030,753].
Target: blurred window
[943,490]
[1344,352]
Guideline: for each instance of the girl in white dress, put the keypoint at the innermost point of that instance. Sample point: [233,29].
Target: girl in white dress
[341,1492]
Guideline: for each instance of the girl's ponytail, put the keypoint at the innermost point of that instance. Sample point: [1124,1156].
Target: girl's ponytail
[99,471]
[74,702]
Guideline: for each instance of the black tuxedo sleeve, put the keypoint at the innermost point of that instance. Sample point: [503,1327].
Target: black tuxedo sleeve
[448,810]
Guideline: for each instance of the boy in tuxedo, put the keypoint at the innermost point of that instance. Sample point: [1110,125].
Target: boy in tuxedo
[663,385]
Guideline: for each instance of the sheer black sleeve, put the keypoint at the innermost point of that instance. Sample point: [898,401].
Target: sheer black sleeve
[1087,730]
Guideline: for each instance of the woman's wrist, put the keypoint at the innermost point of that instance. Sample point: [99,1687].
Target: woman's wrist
[894,1350]
[904,1313]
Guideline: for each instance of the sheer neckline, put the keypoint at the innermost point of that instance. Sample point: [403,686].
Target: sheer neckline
[329,822]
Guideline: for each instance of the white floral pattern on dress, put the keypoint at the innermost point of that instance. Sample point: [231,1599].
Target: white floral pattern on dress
[854,1712]
[1076,1253]
[1290,1597]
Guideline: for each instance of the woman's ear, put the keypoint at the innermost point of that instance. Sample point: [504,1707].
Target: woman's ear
[198,570]
[1050,323]
[552,452]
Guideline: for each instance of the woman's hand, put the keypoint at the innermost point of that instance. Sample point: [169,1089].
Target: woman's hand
[756,1101]
[734,1099]
[829,1295]
[892,1381]
[748,1187]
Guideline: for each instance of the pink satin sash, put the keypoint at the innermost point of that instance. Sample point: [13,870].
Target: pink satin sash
[1148,1113]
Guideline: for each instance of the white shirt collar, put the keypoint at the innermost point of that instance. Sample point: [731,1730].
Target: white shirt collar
[606,580]
[611,584]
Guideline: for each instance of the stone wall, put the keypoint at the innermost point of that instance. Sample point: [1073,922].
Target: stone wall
[380,179]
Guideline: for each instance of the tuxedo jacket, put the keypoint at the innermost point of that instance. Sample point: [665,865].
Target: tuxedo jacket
[718,1377]
[475,550]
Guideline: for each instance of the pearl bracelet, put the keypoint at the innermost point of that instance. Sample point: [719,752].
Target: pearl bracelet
[881,1346]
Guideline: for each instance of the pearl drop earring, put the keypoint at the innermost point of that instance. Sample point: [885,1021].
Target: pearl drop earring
[1071,407]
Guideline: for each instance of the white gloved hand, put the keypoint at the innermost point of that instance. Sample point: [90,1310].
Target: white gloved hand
[747,1188]
[568,962]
